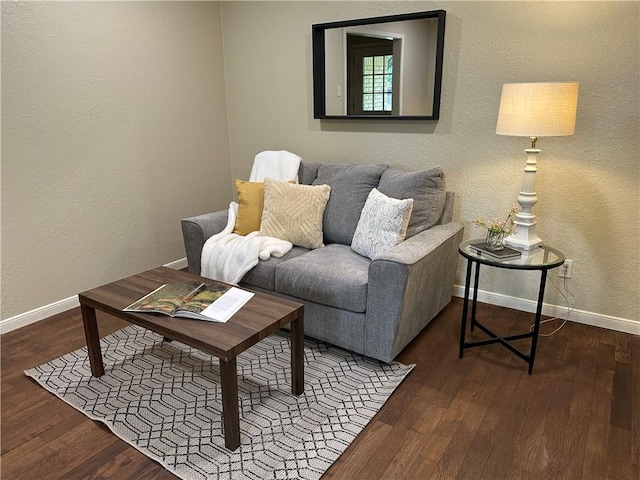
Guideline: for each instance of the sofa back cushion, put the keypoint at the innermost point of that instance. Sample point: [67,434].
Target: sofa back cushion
[350,187]
[307,173]
[427,188]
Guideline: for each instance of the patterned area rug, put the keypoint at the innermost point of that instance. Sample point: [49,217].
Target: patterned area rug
[165,400]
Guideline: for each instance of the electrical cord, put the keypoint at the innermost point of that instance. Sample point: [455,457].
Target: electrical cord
[569,299]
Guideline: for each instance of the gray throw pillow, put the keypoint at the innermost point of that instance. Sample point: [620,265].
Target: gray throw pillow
[427,188]
[350,186]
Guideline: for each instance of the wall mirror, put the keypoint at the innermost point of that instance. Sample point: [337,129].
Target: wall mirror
[382,67]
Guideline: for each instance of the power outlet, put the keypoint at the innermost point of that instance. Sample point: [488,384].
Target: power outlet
[566,269]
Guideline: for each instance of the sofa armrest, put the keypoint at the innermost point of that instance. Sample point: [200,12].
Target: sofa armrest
[408,286]
[196,231]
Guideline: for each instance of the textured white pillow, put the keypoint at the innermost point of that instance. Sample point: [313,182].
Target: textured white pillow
[382,225]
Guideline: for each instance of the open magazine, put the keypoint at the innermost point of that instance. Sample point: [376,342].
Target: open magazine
[217,302]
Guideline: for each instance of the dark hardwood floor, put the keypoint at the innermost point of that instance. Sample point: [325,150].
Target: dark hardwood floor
[576,417]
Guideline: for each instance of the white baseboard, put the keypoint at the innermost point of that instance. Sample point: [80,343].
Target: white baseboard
[178,264]
[60,306]
[33,316]
[580,316]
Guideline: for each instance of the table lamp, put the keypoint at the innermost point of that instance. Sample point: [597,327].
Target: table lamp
[534,110]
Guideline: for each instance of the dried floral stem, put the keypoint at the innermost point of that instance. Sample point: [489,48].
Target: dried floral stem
[497,225]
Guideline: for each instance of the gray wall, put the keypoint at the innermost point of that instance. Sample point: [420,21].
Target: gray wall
[114,127]
[587,183]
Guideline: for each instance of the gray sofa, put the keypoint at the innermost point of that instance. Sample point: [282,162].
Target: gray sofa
[373,307]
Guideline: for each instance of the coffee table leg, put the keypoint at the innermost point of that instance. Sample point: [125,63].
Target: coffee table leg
[230,413]
[93,340]
[297,356]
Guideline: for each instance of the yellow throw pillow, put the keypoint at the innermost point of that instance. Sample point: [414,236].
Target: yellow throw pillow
[294,212]
[250,205]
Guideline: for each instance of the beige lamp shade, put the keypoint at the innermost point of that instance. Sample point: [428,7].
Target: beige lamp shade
[538,109]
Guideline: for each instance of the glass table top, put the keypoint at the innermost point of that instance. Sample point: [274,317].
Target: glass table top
[538,258]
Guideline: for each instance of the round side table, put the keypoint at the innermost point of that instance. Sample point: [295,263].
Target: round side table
[542,258]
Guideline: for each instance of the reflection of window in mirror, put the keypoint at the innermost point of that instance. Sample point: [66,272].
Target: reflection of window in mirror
[409,51]
[370,78]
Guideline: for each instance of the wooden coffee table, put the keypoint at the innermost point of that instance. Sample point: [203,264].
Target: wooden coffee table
[260,317]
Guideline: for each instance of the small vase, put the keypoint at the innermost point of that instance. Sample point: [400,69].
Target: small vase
[494,240]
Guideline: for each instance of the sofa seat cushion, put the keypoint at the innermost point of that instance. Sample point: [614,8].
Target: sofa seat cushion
[263,275]
[350,187]
[334,275]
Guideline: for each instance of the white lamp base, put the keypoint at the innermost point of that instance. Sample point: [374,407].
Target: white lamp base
[525,236]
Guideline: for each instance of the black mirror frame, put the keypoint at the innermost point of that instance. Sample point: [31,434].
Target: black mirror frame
[319,93]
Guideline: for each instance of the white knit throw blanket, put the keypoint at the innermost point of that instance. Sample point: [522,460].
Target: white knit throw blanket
[227,256]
